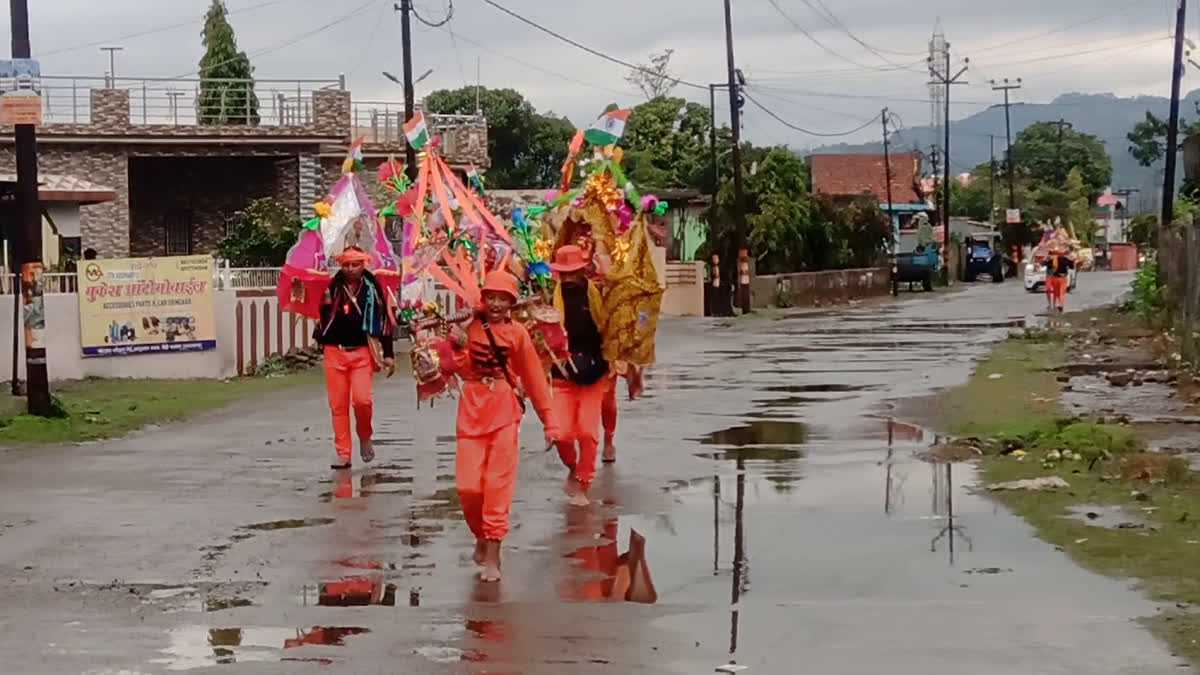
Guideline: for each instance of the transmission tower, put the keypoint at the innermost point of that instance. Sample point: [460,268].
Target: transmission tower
[940,71]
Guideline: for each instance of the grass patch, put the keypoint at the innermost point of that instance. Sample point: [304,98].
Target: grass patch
[1020,409]
[108,408]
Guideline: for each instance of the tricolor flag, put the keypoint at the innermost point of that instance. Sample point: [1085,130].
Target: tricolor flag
[354,158]
[609,128]
[474,180]
[415,131]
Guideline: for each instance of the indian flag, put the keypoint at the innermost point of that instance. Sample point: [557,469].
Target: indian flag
[416,132]
[609,128]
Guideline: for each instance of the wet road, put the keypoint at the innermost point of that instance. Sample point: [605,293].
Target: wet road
[786,527]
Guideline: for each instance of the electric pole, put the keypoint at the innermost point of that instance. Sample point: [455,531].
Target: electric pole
[1010,165]
[30,208]
[739,202]
[410,154]
[1168,189]
[1062,125]
[944,78]
[992,182]
[887,177]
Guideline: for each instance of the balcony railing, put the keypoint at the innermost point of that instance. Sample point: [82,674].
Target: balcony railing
[383,121]
[187,101]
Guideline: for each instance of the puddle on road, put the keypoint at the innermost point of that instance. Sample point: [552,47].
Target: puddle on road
[350,592]
[817,388]
[193,647]
[289,524]
[602,573]
[760,432]
[1108,517]
[755,454]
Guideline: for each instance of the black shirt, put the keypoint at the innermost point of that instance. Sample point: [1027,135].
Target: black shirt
[1062,268]
[342,321]
[583,337]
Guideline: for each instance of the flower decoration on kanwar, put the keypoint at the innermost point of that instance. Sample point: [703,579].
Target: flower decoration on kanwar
[346,218]
[598,209]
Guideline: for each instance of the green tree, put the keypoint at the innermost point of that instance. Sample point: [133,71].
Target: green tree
[1079,208]
[1046,160]
[779,212]
[667,144]
[1148,139]
[261,234]
[226,93]
[527,148]
[653,79]
[1143,230]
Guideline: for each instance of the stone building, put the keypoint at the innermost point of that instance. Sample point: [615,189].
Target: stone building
[178,181]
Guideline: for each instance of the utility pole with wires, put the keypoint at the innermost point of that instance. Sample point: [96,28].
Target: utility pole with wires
[992,182]
[1168,188]
[404,7]
[1009,164]
[944,78]
[30,250]
[1062,125]
[887,178]
[739,203]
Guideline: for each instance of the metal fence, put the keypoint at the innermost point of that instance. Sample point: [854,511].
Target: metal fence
[187,101]
[383,121]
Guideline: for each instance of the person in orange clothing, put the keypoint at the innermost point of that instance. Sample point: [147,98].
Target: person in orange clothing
[491,356]
[354,311]
[1058,274]
[608,409]
[580,385]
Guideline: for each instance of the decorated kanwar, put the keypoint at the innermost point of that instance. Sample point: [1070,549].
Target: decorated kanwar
[343,273]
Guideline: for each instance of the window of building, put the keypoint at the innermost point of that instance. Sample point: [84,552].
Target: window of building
[178,226]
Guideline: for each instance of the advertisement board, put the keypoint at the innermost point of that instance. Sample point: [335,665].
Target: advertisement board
[146,306]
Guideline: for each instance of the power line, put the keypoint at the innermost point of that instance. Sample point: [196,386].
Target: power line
[837,23]
[540,69]
[802,130]
[439,24]
[1076,24]
[590,50]
[159,29]
[811,37]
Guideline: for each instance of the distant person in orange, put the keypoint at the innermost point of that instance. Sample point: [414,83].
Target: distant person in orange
[581,383]
[1058,274]
[498,364]
[353,312]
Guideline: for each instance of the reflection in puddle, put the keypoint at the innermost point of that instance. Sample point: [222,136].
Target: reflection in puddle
[755,454]
[290,524]
[616,576]
[350,592]
[760,432]
[201,647]
[817,388]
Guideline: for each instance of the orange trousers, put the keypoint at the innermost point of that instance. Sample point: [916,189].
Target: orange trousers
[1056,288]
[485,474]
[608,409]
[577,408]
[348,380]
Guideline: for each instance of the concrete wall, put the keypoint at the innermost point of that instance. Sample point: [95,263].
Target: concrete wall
[807,289]
[66,360]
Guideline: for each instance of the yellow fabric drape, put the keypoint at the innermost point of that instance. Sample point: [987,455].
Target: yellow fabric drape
[632,301]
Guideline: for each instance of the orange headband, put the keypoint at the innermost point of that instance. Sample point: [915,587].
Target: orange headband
[352,255]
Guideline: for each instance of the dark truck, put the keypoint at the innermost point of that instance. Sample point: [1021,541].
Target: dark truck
[918,266]
[984,256]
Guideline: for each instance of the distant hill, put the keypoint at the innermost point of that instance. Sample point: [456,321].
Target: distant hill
[1105,115]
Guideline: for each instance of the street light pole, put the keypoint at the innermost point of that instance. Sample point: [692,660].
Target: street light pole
[405,9]
[30,250]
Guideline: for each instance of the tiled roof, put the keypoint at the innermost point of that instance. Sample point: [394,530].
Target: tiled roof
[64,188]
[849,175]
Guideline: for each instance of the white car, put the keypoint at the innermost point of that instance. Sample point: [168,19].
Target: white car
[1035,277]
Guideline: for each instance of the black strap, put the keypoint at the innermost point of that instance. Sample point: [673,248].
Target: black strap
[501,360]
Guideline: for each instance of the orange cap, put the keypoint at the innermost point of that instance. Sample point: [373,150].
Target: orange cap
[499,281]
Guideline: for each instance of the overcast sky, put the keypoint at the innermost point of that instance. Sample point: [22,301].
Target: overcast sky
[1056,46]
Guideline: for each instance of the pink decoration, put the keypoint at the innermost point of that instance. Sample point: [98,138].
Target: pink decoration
[648,203]
[624,216]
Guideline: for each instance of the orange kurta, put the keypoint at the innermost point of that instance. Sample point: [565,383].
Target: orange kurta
[488,419]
